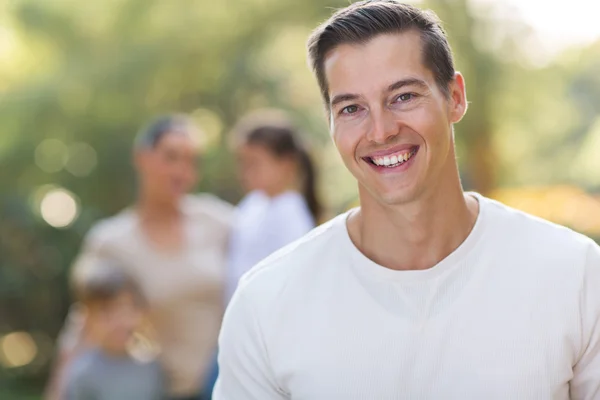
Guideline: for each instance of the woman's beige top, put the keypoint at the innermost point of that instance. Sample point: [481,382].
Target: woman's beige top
[184,290]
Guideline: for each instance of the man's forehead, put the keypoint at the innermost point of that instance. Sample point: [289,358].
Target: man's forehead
[381,59]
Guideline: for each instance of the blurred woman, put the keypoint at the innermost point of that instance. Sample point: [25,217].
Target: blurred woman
[281,204]
[174,245]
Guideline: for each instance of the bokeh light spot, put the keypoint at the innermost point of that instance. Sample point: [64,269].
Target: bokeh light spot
[17,349]
[82,159]
[59,208]
[51,155]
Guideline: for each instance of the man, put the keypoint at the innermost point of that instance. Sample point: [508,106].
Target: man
[425,292]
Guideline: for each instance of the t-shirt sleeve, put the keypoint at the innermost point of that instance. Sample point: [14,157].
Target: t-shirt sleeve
[585,384]
[95,245]
[244,367]
[221,211]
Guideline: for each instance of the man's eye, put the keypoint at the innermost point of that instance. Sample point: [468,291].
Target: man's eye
[349,109]
[405,97]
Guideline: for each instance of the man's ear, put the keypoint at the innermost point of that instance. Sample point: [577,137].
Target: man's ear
[458,98]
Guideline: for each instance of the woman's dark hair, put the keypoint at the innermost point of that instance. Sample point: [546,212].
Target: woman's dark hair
[151,134]
[272,130]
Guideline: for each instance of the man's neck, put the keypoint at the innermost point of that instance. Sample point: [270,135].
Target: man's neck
[414,236]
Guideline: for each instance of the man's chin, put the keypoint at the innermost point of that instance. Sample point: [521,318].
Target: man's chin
[389,197]
[397,199]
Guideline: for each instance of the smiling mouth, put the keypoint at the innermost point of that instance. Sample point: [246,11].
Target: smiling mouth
[393,160]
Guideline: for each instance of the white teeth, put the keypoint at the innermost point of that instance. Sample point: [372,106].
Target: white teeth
[392,161]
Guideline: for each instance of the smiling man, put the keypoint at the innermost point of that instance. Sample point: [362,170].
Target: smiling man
[424,292]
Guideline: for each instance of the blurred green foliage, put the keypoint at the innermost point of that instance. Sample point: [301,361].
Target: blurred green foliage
[77,79]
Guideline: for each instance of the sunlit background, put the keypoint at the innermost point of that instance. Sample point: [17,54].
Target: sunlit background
[77,79]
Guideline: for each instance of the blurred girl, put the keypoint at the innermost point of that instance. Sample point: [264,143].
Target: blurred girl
[281,205]
[174,245]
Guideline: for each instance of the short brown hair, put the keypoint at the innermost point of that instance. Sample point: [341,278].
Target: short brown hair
[362,21]
[99,280]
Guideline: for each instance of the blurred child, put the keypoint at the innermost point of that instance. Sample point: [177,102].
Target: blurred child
[281,206]
[279,176]
[105,369]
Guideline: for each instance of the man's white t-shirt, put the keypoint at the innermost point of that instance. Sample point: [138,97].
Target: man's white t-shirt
[513,313]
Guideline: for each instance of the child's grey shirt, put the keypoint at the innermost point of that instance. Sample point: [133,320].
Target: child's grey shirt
[98,376]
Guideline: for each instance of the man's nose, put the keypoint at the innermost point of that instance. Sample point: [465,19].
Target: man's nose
[383,126]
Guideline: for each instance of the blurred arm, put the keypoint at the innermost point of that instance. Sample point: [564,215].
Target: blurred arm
[53,390]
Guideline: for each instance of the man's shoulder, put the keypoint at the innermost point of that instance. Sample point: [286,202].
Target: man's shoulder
[534,233]
[299,258]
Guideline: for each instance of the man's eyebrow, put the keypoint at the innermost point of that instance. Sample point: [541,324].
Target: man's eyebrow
[340,98]
[343,97]
[407,82]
